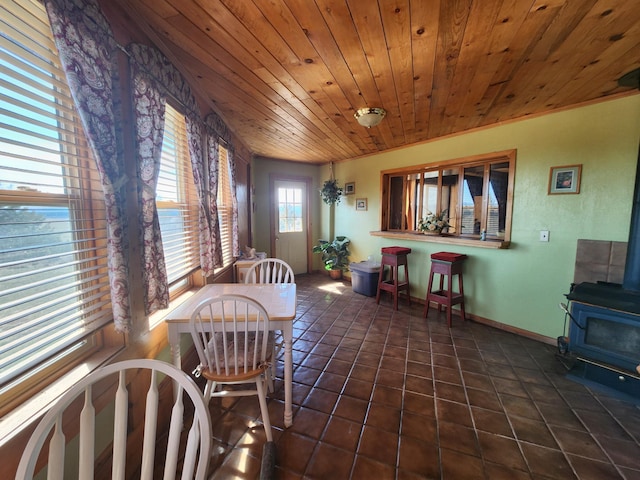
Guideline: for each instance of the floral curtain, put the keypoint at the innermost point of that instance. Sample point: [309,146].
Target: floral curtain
[205,221]
[149,108]
[154,78]
[216,131]
[234,215]
[214,158]
[88,55]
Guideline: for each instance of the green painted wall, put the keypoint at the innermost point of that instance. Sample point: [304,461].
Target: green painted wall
[523,285]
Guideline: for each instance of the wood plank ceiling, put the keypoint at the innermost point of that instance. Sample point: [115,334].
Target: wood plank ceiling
[288,75]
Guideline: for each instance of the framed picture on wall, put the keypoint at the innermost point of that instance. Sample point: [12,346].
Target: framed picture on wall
[361,204]
[565,179]
[349,188]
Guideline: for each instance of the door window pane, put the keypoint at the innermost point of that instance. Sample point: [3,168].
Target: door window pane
[289,210]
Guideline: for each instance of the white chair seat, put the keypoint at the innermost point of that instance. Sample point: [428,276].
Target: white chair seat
[230,358]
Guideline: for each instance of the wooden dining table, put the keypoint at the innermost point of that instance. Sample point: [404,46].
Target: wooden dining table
[279,300]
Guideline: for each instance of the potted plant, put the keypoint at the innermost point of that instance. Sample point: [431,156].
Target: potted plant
[433,224]
[331,192]
[335,255]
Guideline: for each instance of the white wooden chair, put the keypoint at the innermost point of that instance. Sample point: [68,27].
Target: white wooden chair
[270,270]
[231,335]
[198,442]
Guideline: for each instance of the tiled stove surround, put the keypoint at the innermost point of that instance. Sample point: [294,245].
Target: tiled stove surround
[600,260]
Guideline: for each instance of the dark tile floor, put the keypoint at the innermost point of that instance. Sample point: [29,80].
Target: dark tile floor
[384,394]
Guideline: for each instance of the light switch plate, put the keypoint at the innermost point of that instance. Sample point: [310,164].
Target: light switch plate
[544,235]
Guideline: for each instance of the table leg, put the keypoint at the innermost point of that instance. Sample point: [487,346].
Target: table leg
[176,357]
[287,332]
[174,343]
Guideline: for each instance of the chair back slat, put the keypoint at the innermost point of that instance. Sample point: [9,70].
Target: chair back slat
[270,270]
[120,428]
[150,427]
[87,434]
[55,469]
[230,333]
[190,451]
[173,439]
[197,450]
[202,318]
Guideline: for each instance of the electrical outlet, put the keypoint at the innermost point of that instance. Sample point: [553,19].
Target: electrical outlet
[544,235]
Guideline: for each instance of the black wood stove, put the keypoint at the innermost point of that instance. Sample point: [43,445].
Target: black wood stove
[604,333]
[605,337]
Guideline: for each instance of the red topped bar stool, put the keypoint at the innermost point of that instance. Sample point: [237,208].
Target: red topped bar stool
[394,257]
[446,264]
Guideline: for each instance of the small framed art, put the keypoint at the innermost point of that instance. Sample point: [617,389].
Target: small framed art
[349,188]
[361,204]
[565,179]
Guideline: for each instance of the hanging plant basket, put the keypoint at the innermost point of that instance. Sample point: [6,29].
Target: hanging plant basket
[331,192]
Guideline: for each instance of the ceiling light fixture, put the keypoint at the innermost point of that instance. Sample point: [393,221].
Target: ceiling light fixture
[370,117]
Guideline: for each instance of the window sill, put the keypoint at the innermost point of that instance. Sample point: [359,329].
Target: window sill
[444,239]
[157,318]
[32,410]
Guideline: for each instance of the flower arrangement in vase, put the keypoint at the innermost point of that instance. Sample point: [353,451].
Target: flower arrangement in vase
[433,224]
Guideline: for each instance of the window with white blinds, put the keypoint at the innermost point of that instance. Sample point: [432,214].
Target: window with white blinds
[54,288]
[225,207]
[177,203]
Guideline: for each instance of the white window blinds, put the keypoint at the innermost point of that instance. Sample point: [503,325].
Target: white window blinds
[54,288]
[177,202]
[225,206]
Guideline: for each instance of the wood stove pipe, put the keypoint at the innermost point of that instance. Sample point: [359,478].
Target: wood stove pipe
[631,279]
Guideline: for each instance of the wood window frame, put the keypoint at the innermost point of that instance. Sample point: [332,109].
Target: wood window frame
[41,122]
[498,240]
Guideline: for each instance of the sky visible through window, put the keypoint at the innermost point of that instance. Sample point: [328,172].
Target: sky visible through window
[289,210]
[28,129]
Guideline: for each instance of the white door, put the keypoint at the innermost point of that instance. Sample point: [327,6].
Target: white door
[291,223]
